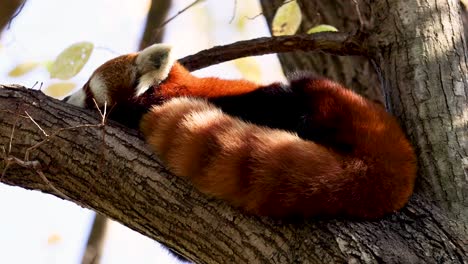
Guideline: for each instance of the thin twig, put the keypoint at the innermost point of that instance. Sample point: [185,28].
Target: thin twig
[261,13]
[34,85]
[254,17]
[10,143]
[156,30]
[36,166]
[97,106]
[101,113]
[7,164]
[104,116]
[358,12]
[14,113]
[234,10]
[44,178]
[38,126]
[111,51]
[37,145]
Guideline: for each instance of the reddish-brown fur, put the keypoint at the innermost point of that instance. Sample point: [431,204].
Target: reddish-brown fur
[344,155]
[257,169]
[181,83]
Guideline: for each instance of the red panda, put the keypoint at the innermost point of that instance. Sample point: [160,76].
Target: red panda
[307,148]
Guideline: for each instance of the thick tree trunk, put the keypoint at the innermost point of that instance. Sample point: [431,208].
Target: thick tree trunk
[111,171]
[428,91]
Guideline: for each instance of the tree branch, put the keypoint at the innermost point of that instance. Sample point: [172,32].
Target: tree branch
[153,31]
[133,188]
[329,42]
[95,243]
[8,11]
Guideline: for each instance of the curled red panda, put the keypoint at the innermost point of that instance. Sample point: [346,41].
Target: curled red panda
[309,148]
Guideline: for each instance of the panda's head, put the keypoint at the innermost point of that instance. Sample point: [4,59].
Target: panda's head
[125,77]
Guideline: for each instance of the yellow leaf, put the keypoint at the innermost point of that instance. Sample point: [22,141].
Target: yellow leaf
[54,239]
[23,68]
[321,28]
[70,61]
[59,90]
[287,19]
[249,68]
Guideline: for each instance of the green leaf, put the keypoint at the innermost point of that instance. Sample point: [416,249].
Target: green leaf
[23,68]
[70,61]
[59,90]
[287,19]
[321,28]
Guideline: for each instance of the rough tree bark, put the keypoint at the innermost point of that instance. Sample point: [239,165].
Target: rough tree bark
[117,175]
[110,169]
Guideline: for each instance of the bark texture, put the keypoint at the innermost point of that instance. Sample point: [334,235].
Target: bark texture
[428,91]
[112,171]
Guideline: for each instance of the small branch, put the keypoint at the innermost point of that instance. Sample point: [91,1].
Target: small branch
[161,26]
[96,239]
[254,17]
[234,11]
[7,164]
[38,126]
[28,150]
[12,133]
[35,166]
[329,42]
[358,12]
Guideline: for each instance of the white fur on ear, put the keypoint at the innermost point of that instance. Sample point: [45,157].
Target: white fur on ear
[154,64]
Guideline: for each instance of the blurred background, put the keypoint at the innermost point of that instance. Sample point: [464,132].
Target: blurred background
[39,228]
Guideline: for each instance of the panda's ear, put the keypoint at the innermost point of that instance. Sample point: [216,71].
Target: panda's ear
[153,64]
